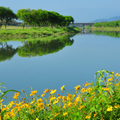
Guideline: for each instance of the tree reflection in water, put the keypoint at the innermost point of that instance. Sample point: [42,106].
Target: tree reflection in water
[40,48]
[106,33]
[6,51]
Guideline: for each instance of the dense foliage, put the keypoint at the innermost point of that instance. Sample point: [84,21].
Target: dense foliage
[43,18]
[6,15]
[34,17]
[107,24]
[99,101]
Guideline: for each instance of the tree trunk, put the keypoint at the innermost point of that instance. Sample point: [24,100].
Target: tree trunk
[5,25]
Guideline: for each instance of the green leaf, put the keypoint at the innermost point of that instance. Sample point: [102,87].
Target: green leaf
[7,92]
[92,84]
[1,83]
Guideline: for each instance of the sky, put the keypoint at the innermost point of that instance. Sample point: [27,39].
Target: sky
[80,10]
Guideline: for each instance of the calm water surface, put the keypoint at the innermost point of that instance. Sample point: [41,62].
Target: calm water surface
[71,63]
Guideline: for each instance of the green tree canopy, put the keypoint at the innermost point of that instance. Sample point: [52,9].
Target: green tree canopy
[107,24]
[6,15]
[43,18]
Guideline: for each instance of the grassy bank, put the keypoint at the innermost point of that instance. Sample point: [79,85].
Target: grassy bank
[99,101]
[109,29]
[17,32]
[33,38]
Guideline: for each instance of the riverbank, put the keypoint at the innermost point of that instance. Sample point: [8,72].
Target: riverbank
[108,29]
[17,32]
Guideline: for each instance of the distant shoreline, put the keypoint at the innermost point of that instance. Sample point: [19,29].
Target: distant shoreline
[108,29]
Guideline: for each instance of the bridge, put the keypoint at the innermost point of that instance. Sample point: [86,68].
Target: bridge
[81,24]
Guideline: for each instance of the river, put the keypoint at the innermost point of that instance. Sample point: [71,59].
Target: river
[68,61]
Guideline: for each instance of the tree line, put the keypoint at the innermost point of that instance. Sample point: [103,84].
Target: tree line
[107,24]
[34,18]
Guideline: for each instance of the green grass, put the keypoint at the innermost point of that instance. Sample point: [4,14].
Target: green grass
[14,32]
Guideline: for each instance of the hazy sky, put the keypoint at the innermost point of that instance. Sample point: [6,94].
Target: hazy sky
[80,10]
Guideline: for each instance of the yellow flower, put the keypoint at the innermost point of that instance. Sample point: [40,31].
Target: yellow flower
[46,90]
[37,119]
[69,104]
[1,101]
[77,99]
[94,115]
[117,84]
[62,88]
[65,105]
[80,107]
[77,87]
[16,95]
[53,91]
[109,108]
[116,106]
[69,97]
[113,73]
[64,113]
[7,115]
[86,84]
[56,101]
[33,92]
[52,98]
[56,114]
[42,95]
[105,89]
[64,98]
[32,111]
[89,89]
[39,100]
[83,90]
[32,102]
[88,117]
[11,103]
[110,79]
[41,105]
[116,74]
[59,98]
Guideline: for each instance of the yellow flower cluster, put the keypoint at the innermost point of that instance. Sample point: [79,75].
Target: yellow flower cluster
[78,103]
[16,95]
[109,108]
[33,92]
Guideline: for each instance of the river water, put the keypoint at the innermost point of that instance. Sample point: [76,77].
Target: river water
[68,61]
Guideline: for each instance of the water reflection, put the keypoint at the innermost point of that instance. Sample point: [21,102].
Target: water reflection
[40,48]
[112,34]
[35,48]
[6,51]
